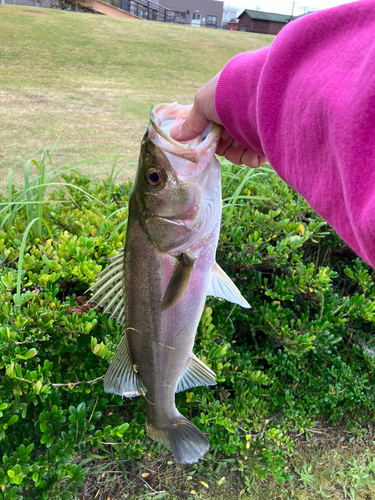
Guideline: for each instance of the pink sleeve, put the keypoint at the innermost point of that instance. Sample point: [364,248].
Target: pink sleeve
[307,103]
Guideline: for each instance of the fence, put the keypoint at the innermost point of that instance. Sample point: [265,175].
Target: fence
[30,3]
[145,9]
[142,8]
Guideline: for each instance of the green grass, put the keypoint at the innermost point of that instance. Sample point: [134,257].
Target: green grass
[282,403]
[92,79]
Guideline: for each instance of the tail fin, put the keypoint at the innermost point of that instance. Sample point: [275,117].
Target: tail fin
[182,438]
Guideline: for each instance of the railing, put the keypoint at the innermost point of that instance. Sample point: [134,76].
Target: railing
[142,8]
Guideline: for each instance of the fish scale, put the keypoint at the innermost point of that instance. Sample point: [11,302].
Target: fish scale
[156,287]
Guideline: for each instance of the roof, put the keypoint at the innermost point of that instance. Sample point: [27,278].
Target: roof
[266,16]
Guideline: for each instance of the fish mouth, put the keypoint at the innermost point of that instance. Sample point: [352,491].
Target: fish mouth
[164,117]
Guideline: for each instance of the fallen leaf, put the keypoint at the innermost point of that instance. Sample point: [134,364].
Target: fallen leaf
[83,308]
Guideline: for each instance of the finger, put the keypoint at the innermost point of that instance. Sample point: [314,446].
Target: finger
[262,160]
[194,124]
[225,141]
[234,153]
[252,160]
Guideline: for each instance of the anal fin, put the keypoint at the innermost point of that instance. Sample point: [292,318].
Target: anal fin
[196,374]
[222,286]
[121,377]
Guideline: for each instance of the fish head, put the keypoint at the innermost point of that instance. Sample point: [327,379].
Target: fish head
[177,191]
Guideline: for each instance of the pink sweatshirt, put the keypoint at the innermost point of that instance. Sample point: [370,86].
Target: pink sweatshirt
[307,103]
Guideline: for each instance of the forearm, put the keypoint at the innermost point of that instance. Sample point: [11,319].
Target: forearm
[308,104]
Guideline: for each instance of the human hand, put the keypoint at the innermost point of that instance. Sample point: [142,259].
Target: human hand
[202,113]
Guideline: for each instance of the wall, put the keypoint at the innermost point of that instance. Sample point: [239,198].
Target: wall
[190,7]
[259,26]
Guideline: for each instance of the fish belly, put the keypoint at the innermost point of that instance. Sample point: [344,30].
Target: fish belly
[161,342]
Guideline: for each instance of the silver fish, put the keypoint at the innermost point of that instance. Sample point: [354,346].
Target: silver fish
[157,286]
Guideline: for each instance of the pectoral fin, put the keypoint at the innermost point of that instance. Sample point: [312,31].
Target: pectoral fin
[121,377]
[222,286]
[196,374]
[178,282]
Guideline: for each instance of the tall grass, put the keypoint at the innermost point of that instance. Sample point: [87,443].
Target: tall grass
[31,198]
[233,180]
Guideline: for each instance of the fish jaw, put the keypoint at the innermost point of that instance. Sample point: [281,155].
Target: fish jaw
[164,117]
[196,174]
[186,207]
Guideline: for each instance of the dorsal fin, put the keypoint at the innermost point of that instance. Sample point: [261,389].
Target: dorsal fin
[220,285]
[121,377]
[109,290]
[196,374]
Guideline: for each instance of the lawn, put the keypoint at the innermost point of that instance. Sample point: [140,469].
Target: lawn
[91,80]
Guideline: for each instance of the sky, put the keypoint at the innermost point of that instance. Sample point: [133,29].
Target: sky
[283,6]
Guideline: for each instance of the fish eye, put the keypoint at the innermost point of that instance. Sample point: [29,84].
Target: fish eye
[154,177]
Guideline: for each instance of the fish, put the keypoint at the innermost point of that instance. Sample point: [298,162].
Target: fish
[157,285]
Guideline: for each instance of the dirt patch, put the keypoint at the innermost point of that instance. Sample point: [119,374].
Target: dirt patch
[333,453]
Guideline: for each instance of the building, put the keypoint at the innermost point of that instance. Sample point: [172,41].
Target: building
[199,13]
[232,26]
[229,14]
[255,21]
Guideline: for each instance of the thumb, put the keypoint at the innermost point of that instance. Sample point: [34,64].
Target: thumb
[194,124]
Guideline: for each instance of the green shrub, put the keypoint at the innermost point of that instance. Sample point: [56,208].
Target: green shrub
[305,349]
